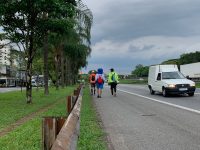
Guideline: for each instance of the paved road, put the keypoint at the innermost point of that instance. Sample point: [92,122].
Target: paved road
[4,90]
[136,120]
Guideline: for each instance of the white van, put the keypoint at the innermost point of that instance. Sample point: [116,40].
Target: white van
[168,80]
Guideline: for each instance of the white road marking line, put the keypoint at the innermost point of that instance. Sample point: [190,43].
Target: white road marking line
[162,102]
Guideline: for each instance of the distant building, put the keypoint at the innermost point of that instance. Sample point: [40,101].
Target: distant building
[11,71]
[4,54]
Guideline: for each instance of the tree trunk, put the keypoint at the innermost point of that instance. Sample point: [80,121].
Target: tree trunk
[29,69]
[65,72]
[62,70]
[28,79]
[46,73]
[68,74]
[57,72]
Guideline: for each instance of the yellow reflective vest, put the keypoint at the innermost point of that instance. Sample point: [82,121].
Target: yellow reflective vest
[113,77]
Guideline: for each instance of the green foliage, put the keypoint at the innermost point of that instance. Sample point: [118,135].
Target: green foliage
[38,64]
[133,81]
[60,26]
[91,135]
[69,47]
[198,84]
[186,58]
[141,71]
[89,72]
[28,22]
[190,58]
[171,61]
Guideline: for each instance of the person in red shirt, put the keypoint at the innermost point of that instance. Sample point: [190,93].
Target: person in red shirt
[92,81]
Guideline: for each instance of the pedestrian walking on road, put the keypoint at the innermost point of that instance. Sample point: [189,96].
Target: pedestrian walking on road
[113,80]
[100,78]
[92,82]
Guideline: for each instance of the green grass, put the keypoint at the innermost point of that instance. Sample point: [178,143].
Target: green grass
[132,81]
[28,136]
[198,85]
[91,135]
[13,104]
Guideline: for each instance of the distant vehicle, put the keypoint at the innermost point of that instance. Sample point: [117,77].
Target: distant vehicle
[191,71]
[39,79]
[168,80]
[7,82]
[33,82]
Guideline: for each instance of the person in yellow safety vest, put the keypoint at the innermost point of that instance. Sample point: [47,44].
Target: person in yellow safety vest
[92,82]
[113,80]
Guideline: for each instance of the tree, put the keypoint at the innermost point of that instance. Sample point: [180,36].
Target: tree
[23,22]
[30,24]
[171,61]
[189,58]
[63,18]
[72,47]
[140,71]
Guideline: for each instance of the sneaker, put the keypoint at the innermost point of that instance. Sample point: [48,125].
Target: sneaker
[98,96]
[115,95]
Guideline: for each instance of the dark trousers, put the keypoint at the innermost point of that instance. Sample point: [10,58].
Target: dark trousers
[113,87]
[93,88]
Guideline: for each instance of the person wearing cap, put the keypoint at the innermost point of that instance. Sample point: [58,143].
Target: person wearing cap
[113,80]
[100,79]
[92,82]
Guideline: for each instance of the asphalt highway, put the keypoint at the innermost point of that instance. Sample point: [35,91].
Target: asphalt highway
[136,120]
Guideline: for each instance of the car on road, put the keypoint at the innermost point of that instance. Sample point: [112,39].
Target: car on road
[168,80]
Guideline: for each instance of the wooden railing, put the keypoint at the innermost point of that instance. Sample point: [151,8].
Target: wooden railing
[61,133]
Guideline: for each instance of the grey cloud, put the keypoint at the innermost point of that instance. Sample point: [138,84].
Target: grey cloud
[160,30]
[120,65]
[134,49]
[120,21]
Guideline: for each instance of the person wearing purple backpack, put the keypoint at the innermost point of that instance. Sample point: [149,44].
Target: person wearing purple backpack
[100,78]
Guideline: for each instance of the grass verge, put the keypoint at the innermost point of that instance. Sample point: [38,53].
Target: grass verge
[132,81]
[91,135]
[28,136]
[198,85]
[13,104]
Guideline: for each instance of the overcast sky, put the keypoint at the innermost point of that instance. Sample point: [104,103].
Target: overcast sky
[130,32]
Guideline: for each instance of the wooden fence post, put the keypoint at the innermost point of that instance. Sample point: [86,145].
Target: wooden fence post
[69,104]
[48,132]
